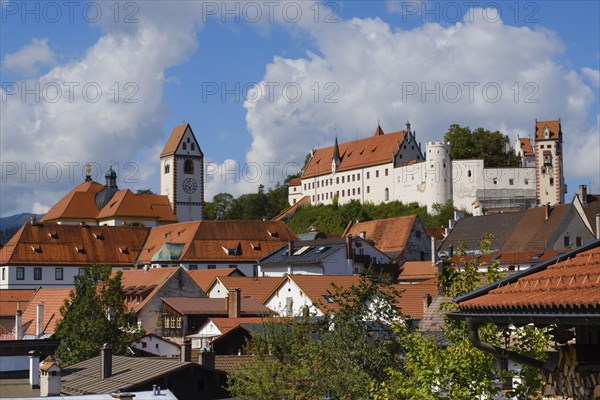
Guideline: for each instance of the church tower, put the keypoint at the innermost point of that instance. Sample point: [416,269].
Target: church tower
[181,174]
[550,182]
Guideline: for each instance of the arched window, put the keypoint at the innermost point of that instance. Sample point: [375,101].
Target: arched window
[184,146]
[167,168]
[188,166]
[387,194]
[193,146]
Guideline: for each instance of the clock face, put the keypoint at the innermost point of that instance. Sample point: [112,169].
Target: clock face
[189,185]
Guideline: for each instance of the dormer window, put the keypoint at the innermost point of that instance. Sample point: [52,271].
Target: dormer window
[546,132]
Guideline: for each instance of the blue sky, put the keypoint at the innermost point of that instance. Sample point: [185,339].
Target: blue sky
[354,62]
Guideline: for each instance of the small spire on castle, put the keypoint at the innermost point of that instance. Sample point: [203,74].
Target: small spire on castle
[88,172]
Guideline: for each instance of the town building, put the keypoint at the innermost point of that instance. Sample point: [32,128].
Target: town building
[392,166]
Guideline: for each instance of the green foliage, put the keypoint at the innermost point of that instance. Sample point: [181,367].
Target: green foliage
[251,206]
[145,191]
[304,359]
[492,147]
[94,314]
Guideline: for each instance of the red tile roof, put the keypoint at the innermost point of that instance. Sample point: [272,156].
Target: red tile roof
[526,146]
[174,139]
[213,307]
[205,277]
[315,286]
[553,127]
[411,297]
[374,150]
[417,271]
[9,298]
[53,244]
[79,203]
[571,283]
[295,182]
[145,283]
[389,235]
[52,299]
[230,364]
[259,288]
[227,324]
[206,241]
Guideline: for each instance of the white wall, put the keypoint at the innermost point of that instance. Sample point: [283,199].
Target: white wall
[157,347]
[14,363]
[48,277]
[278,302]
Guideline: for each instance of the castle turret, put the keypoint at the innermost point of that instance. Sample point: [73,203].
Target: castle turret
[438,173]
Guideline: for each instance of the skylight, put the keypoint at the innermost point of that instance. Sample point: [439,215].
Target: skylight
[301,250]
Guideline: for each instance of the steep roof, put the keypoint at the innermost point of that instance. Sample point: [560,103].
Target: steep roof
[10,298]
[553,127]
[205,277]
[374,150]
[258,288]
[533,230]
[53,244]
[52,299]
[526,146]
[218,241]
[567,284]
[411,297]
[174,139]
[389,235]
[591,208]
[213,307]
[470,230]
[78,203]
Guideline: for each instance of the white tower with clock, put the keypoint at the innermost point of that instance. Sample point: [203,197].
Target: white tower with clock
[181,174]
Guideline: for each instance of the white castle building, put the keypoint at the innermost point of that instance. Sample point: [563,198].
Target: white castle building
[392,166]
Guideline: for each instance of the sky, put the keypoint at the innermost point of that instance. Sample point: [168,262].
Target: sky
[264,82]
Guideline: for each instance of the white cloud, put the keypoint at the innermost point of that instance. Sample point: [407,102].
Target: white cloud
[592,75]
[30,58]
[424,75]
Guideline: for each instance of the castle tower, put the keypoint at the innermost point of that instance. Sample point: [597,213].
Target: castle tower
[438,173]
[550,183]
[181,174]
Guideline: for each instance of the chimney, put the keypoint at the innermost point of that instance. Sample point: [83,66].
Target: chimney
[206,358]
[349,247]
[185,353]
[39,321]
[34,218]
[426,302]
[362,235]
[118,395]
[156,390]
[49,379]
[547,210]
[106,361]
[433,255]
[597,226]
[234,303]
[583,194]
[34,369]
[19,323]
[290,248]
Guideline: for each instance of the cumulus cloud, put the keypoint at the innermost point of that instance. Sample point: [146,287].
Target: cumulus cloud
[30,58]
[592,75]
[473,72]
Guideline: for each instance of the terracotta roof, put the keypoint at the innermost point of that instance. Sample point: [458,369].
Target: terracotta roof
[437,233]
[295,182]
[571,282]
[145,284]
[52,299]
[206,241]
[315,286]
[53,244]
[227,324]
[417,271]
[213,307]
[370,151]
[411,297]
[174,139]
[9,298]
[553,127]
[526,146]
[259,288]
[230,364]
[205,277]
[534,231]
[78,203]
[389,235]
[127,204]
[292,209]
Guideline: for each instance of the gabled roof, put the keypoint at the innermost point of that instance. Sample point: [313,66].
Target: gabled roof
[52,299]
[534,231]
[295,182]
[317,286]
[374,150]
[10,298]
[591,209]
[53,244]
[210,241]
[568,284]
[213,307]
[227,324]
[256,287]
[205,277]
[470,230]
[526,146]
[127,204]
[175,138]
[553,126]
[389,235]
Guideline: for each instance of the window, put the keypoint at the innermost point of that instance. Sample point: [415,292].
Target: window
[551,181]
[255,270]
[358,177]
[337,180]
[567,240]
[358,190]
[469,173]
[368,174]
[386,172]
[3,273]
[188,166]
[368,189]
[343,179]
[193,267]
[37,274]
[511,182]
[193,146]
[20,273]
[527,181]
[495,181]
[578,241]
[58,274]
[184,146]
[167,168]
[387,194]
[377,174]
[211,266]
[343,192]
[353,191]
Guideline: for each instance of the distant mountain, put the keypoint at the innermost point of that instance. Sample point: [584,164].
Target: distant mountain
[11,224]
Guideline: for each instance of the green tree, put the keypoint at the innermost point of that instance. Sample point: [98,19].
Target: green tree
[94,314]
[219,207]
[341,351]
[145,191]
[492,147]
